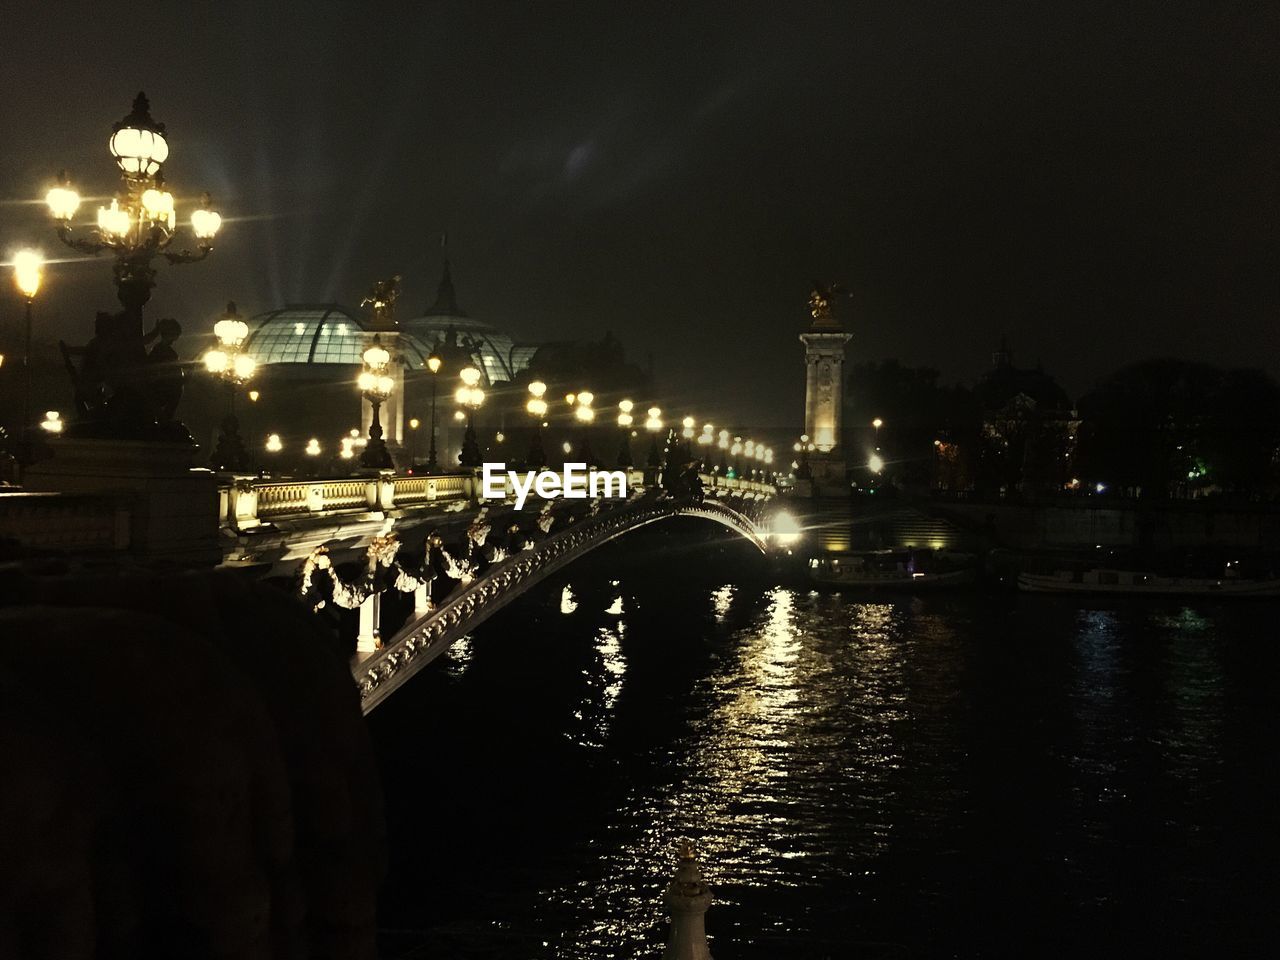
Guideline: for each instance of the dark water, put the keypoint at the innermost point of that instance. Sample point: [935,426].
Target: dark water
[957,775]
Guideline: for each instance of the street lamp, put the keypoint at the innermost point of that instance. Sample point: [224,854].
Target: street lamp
[722,442]
[414,423]
[653,423]
[687,433]
[228,363]
[537,408]
[470,396]
[585,415]
[139,224]
[376,384]
[705,439]
[625,420]
[875,463]
[434,362]
[28,271]
[803,448]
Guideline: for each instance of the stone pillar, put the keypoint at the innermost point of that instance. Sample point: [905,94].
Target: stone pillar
[824,386]
[422,599]
[370,636]
[687,898]
[824,348]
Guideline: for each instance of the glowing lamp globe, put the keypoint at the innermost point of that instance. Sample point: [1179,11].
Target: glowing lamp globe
[243,366]
[376,356]
[231,330]
[470,375]
[585,414]
[205,223]
[216,361]
[385,385]
[62,200]
[538,388]
[626,406]
[28,271]
[114,221]
[138,143]
[366,381]
[158,206]
[585,398]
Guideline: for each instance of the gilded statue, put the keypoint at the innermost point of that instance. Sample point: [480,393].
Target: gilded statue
[381,301]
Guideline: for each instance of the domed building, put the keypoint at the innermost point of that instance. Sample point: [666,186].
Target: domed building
[446,324]
[309,356]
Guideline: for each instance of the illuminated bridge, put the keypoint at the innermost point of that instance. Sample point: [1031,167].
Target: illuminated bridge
[345,541]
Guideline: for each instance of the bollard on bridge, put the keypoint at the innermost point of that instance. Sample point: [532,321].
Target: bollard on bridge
[687,899]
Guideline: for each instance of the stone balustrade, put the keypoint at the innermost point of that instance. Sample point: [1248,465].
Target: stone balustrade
[246,503]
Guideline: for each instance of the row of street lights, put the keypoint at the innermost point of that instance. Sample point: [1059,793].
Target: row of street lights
[140,223]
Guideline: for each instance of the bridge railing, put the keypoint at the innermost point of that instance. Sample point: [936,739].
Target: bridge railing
[248,502]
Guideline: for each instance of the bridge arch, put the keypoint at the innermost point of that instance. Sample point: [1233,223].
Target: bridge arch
[425,638]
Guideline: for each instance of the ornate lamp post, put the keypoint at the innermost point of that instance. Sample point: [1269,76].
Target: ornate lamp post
[414,423]
[376,384]
[653,423]
[28,271]
[735,451]
[625,420]
[748,454]
[470,396]
[139,224]
[434,362]
[537,408]
[686,433]
[705,439]
[233,368]
[722,443]
[802,448]
[585,415]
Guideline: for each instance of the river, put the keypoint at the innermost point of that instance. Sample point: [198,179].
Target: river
[954,775]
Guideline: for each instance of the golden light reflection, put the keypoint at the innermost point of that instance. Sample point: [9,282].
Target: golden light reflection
[567,602]
[459,656]
[782,679]
[721,599]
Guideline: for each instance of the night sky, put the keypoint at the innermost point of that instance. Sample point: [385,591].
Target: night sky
[1098,181]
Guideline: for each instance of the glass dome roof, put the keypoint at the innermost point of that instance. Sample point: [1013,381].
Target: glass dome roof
[500,358]
[321,333]
[331,334]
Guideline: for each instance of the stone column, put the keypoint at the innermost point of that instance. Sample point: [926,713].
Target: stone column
[687,899]
[370,636]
